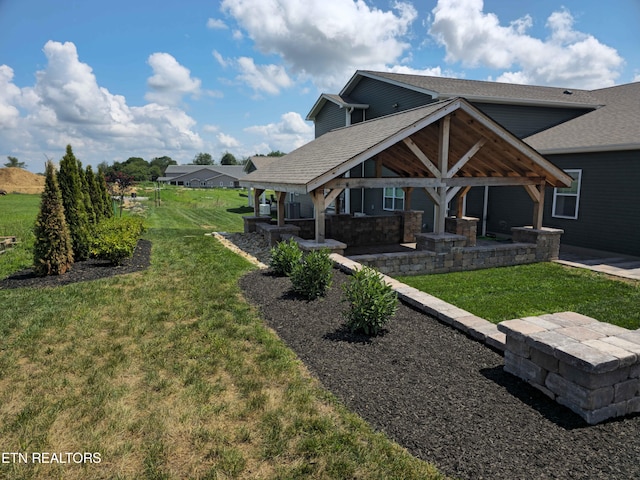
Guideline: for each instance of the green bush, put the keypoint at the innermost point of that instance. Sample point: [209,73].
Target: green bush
[115,238]
[312,277]
[371,301]
[285,256]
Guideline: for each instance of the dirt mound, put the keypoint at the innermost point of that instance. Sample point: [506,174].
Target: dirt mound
[18,180]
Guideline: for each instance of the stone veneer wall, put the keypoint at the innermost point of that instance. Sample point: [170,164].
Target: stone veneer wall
[593,368]
[400,227]
[423,262]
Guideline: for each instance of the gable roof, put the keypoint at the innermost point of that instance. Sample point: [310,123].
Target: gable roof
[615,126]
[496,152]
[481,91]
[342,101]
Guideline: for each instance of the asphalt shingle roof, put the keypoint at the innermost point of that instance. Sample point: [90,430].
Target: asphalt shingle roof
[615,126]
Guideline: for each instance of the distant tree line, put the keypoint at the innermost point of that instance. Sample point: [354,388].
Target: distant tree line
[140,170]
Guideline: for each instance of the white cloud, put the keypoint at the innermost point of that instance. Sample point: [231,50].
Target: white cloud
[227,141]
[220,59]
[263,78]
[170,81]
[566,58]
[288,134]
[636,78]
[67,105]
[9,97]
[342,34]
[216,24]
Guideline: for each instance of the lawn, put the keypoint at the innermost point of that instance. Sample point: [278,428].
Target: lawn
[168,373]
[512,292]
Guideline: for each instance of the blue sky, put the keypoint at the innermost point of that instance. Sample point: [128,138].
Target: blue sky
[144,78]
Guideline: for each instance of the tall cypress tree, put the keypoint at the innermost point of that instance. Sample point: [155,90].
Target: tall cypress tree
[52,251]
[106,197]
[74,207]
[95,193]
[86,195]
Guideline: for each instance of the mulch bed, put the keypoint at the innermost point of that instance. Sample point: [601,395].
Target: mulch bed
[442,395]
[84,271]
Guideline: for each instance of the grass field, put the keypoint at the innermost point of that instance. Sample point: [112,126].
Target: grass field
[169,373]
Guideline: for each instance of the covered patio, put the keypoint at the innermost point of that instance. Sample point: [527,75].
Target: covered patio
[443,149]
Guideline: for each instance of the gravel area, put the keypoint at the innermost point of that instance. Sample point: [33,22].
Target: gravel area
[442,395]
[84,271]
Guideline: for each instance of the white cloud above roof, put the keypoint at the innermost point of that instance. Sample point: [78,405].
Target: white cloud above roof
[342,34]
[567,57]
[289,133]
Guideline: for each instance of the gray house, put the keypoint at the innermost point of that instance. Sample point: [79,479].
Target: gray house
[594,136]
[203,176]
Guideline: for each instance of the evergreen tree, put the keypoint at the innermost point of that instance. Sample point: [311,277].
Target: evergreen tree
[86,195]
[52,251]
[97,200]
[107,202]
[74,206]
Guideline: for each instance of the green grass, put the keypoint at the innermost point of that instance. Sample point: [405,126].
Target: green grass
[512,292]
[17,218]
[169,373]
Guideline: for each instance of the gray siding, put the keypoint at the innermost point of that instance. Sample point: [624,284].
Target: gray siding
[608,215]
[381,98]
[329,117]
[524,121]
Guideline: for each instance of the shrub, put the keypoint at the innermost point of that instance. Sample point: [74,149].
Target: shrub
[371,301]
[115,238]
[312,277]
[285,256]
[53,250]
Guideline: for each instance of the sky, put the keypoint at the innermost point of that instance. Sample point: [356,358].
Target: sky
[140,78]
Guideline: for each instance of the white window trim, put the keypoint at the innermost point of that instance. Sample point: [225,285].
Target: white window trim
[557,194]
[393,199]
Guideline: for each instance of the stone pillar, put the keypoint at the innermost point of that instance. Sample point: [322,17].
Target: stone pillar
[547,241]
[250,222]
[411,224]
[467,226]
[439,243]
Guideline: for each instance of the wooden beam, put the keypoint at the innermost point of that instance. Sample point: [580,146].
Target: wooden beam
[466,157]
[318,202]
[256,201]
[407,197]
[432,194]
[461,210]
[538,206]
[443,163]
[422,157]
[370,182]
[280,197]
[332,195]
[378,167]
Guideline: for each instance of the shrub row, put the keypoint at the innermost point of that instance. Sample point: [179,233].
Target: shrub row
[371,301]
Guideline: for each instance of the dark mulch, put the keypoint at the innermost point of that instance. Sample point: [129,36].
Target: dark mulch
[442,395]
[84,271]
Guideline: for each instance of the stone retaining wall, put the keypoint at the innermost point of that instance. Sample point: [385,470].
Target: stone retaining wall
[593,368]
[422,262]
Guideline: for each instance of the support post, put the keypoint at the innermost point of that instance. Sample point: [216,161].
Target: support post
[319,206]
[256,201]
[443,166]
[280,196]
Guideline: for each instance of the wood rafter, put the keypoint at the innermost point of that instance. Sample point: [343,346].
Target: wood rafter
[424,159]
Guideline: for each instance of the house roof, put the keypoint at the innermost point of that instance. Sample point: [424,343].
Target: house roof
[615,126]
[343,101]
[173,171]
[490,151]
[257,162]
[482,91]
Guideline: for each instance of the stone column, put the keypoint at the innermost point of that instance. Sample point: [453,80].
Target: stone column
[411,224]
[467,226]
[547,241]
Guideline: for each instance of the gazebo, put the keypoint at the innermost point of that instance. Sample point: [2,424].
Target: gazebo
[444,148]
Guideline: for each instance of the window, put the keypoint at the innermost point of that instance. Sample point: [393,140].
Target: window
[566,200]
[393,198]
